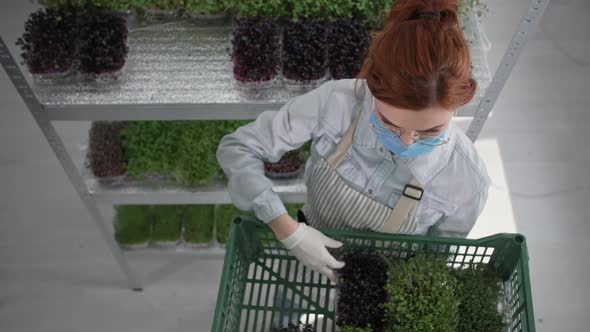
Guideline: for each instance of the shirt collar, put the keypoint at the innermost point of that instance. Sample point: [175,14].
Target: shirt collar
[424,167]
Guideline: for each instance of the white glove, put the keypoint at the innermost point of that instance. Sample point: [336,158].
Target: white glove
[309,246]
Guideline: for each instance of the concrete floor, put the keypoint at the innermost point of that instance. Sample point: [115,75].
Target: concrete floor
[56,274]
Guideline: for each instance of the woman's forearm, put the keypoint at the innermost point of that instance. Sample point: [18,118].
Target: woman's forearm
[283,226]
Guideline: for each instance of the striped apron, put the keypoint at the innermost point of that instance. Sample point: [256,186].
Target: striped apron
[332,204]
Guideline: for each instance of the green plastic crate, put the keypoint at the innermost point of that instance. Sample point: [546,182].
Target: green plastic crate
[256,266]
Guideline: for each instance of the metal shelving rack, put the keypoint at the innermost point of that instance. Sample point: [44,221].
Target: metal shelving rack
[181,72]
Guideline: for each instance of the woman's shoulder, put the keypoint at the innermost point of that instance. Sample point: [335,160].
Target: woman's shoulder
[349,88]
[465,173]
[338,112]
[468,159]
[463,178]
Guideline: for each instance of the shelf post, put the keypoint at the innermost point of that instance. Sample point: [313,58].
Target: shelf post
[26,92]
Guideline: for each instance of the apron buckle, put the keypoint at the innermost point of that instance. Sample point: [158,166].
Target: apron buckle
[413,192]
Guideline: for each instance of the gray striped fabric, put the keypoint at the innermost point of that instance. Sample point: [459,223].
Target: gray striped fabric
[332,204]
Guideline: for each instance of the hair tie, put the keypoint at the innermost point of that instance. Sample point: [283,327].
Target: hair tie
[416,15]
[430,16]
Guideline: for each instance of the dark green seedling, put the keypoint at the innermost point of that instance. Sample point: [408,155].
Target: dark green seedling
[355,329]
[261,8]
[184,150]
[133,224]
[296,328]
[304,50]
[106,153]
[102,43]
[255,49]
[361,290]
[48,44]
[207,7]
[198,223]
[423,295]
[480,295]
[290,162]
[116,5]
[348,41]
[151,146]
[158,4]
[167,223]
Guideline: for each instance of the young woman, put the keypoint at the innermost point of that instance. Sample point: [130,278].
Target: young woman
[385,155]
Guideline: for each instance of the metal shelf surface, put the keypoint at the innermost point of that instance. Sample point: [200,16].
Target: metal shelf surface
[179,71]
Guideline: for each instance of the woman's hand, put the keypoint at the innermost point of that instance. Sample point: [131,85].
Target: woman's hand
[307,244]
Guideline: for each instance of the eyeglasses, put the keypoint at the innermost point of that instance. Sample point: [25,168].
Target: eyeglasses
[417,138]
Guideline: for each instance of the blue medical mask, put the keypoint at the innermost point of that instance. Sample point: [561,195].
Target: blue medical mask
[394,144]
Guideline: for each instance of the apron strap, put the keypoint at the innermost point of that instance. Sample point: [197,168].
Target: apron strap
[402,218]
[339,153]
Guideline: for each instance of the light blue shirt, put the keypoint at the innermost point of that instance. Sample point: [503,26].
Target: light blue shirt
[454,176]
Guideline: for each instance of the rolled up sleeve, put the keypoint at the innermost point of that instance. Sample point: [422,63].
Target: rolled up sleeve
[242,154]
